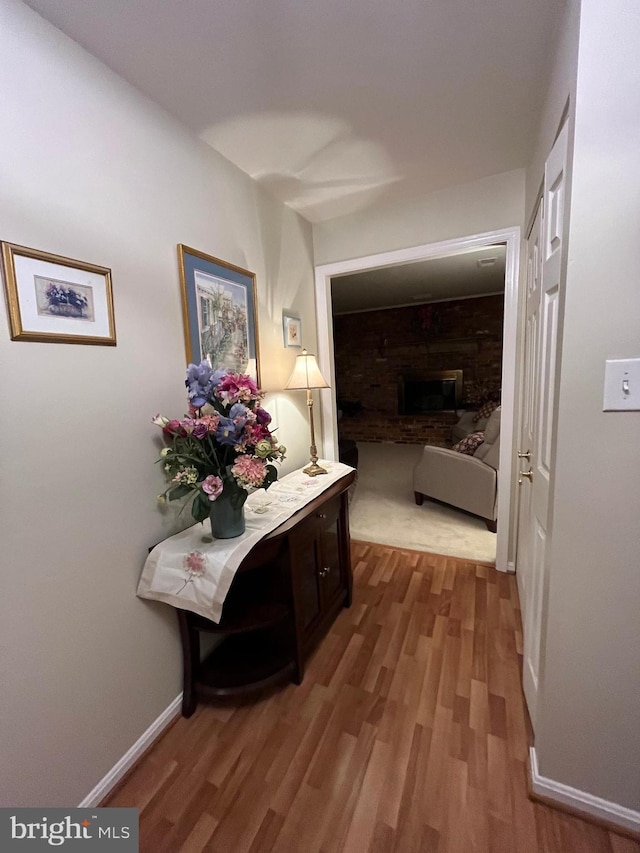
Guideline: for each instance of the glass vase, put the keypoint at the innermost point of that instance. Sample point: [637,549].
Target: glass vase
[227,513]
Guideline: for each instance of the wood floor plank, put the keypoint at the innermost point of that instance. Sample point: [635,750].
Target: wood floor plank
[285,792]
[409,734]
[267,833]
[622,845]
[346,795]
[363,823]
[396,769]
[200,834]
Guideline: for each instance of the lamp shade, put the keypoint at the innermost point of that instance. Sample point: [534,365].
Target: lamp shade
[251,368]
[306,373]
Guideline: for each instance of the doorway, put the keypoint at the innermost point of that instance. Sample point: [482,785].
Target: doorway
[328,402]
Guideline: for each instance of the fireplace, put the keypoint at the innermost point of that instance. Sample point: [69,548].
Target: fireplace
[436,391]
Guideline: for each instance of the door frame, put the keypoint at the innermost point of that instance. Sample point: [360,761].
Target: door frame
[511,237]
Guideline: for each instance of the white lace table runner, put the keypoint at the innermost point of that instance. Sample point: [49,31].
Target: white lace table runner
[193,571]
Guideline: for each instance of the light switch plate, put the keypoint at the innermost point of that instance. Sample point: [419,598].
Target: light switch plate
[621,385]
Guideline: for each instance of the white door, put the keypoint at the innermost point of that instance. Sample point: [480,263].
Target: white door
[528,409]
[540,370]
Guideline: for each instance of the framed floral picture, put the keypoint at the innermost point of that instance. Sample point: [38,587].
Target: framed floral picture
[219,312]
[56,299]
[291,330]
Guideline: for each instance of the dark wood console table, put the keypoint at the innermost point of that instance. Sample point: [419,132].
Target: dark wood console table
[285,595]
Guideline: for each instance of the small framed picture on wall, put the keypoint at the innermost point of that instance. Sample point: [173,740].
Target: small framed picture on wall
[54,299]
[291,330]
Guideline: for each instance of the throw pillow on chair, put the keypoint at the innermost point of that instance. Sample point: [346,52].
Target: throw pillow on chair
[485,410]
[470,444]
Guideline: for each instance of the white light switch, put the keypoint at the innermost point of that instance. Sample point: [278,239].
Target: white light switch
[621,385]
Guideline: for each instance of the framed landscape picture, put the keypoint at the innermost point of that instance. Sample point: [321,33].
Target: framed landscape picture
[56,299]
[220,313]
[291,330]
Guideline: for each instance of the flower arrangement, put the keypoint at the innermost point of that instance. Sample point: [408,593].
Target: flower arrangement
[224,445]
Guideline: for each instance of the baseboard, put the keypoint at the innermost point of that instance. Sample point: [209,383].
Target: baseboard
[106,785]
[511,567]
[610,815]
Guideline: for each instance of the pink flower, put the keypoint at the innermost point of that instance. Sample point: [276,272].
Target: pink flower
[238,387]
[249,471]
[195,563]
[256,432]
[172,428]
[210,421]
[212,486]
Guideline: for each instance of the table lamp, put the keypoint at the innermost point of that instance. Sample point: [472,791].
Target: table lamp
[251,369]
[306,374]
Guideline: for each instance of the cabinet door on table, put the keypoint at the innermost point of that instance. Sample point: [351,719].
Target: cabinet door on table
[306,558]
[330,553]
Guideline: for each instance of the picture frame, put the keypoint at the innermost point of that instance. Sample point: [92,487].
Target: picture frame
[54,299]
[291,330]
[220,313]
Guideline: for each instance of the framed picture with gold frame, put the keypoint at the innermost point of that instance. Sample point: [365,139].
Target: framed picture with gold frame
[53,299]
[219,309]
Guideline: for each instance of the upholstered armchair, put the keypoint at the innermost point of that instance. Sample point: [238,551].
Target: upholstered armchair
[472,421]
[469,482]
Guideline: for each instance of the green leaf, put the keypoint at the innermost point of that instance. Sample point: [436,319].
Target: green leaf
[270,477]
[239,497]
[201,507]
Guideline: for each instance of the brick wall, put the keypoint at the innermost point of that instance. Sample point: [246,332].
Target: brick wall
[373,349]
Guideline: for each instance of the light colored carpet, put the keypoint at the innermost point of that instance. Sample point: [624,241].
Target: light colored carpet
[383,509]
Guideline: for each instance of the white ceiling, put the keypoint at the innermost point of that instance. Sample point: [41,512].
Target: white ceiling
[470,273]
[333,104]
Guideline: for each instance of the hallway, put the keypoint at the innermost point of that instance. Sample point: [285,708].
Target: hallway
[409,733]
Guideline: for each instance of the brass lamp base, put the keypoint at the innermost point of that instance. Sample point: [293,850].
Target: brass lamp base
[313,470]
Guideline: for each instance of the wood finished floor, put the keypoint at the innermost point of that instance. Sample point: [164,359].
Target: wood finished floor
[408,735]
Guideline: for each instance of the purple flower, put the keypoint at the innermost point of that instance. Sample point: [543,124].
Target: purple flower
[238,411]
[263,417]
[201,381]
[199,430]
[228,431]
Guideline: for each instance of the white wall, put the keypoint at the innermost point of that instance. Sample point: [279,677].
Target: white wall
[560,95]
[92,170]
[587,733]
[459,211]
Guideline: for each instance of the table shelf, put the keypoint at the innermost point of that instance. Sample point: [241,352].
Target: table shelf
[244,663]
[256,600]
[258,615]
